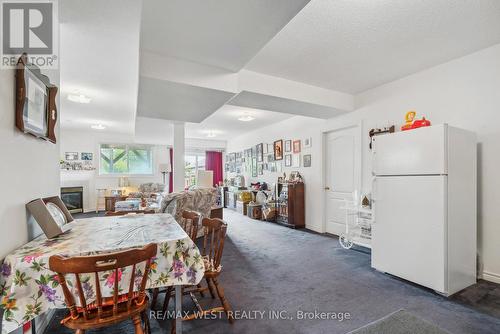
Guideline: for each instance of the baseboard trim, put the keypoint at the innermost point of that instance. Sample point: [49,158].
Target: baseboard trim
[492,277]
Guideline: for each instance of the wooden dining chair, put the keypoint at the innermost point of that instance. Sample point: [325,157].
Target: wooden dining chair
[213,245]
[190,223]
[105,311]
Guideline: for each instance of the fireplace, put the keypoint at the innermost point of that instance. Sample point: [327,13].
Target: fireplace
[72,197]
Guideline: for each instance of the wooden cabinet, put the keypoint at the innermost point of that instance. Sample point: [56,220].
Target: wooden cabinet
[111,200]
[290,204]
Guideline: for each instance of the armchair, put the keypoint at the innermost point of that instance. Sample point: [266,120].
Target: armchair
[200,200]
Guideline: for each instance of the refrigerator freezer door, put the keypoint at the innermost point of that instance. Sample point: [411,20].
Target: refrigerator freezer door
[415,152]
[408,236]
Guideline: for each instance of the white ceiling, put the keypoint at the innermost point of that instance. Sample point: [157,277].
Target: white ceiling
[267,102]
[223,123]
[221,33]
[99,52]
[352,46]
[177,101]
[342,45]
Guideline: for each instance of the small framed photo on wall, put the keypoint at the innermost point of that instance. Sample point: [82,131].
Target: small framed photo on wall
[260,152]
[86,156]
[254,167]
[307,160]
[288,160]
[71,156]
[307,142]
[296,146]
[288,146]
[278,149]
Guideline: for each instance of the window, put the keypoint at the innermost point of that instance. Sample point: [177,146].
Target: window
[194,163]
[126,159]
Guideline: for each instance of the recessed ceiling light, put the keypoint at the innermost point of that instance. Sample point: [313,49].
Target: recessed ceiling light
[246,118]
[79,98]
[98,127]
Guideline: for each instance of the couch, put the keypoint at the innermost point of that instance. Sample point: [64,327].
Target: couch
[153,193]
[200,200]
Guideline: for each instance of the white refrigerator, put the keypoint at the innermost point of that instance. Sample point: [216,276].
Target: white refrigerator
[424,197]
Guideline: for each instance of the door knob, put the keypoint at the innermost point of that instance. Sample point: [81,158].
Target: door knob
[327,188]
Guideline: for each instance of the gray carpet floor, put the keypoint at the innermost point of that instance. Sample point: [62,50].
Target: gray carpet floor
[267,267]
[400,322]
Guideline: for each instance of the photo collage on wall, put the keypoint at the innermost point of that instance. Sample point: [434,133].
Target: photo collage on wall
[272,157]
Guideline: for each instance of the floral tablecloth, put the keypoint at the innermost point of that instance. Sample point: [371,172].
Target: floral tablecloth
[28,288]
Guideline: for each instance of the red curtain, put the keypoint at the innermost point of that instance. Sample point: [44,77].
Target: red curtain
[213,162]
[171,174]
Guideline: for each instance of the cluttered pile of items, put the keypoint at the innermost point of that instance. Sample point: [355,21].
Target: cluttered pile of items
[283,202]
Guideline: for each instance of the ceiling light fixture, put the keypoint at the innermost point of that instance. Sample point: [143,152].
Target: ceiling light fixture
[79,98]
[211,134]
[98,127]
[246,118]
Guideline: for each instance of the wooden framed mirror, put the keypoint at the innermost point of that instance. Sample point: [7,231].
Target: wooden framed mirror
[36,111]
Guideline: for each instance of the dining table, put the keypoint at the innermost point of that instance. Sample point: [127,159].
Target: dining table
[28,288]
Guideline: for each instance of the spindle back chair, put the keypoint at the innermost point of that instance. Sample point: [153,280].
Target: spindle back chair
[105,311]
[190,223]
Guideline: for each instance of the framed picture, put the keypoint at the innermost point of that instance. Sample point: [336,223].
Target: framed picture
[36,111]
[307,160]
[71,156]
[279,166]
[260,169]
[288,145]
[272,167]
[288,160]
[278,149]
[254,167]
[296,160]
[296,146]
[307,142]
[86,156]
[260,154]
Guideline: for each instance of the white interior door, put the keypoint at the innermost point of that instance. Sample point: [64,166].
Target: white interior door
[342,174]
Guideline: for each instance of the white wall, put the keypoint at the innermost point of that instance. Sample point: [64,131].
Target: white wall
[88,141]
[297,127]
[29,170]
[464,93]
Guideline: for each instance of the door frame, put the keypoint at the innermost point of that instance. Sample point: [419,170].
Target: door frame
[324,145]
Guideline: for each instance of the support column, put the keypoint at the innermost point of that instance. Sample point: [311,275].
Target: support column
[179,164]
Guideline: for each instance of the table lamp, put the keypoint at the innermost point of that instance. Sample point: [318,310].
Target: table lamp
[205,179]
[123,183]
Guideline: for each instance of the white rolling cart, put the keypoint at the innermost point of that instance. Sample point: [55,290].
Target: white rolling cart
[358,225]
